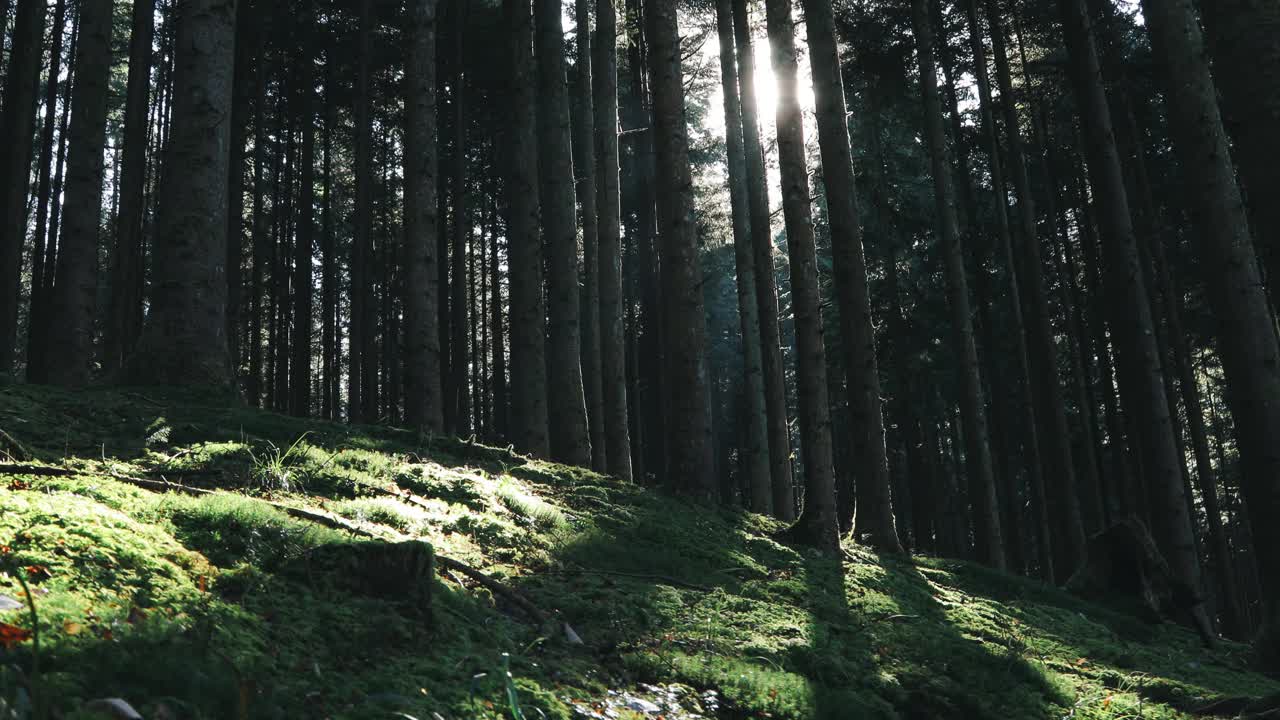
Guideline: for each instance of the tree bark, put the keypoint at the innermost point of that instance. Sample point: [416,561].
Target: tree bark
[689,466]
[753,454]
[613,366]
[875,522]
[1250,350]
[329,335]
[424,406]
[818,524]
[1141,378]
[42,272]
[524,250]
[184,341]
[304,236]
[584,168]
[570,436]
[985,508]
[74,300]
[457,418]
[242,96]
[18,125]
[762,261]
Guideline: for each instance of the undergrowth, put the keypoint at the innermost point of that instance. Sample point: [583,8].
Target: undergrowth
[212,606]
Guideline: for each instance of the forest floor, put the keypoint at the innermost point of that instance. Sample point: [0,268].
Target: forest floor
[239,603]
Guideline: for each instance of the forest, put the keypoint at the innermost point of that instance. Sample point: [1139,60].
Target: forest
[984,281]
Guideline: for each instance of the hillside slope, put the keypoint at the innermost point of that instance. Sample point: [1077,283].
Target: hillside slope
[226,605]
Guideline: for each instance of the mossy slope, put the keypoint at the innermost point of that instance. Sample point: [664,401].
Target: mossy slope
[207,605]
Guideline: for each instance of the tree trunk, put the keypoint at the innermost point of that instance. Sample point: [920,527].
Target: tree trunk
[1050,404]
[1242,43]
[304,251]
[329,334]
[818,524]
[613,366]
[1141,379]
[184,341]
[874,500]
[424,406]
[457,419]
[74,300]
[584,168]
[242,95]
[38,322]
[753,454]
[570,437]
[1250,351]
[18,125]
[689,465]
[766,289]
[985,508]
[361,282]
[524,247]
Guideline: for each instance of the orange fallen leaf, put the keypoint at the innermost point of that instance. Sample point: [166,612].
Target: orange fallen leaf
[11,635]
[19,485]
[203,583]
[72,628]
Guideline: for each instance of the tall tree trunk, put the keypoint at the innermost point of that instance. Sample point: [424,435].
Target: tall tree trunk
[753,455]
[613,366]
[689,465]
[1050,404]
[329,342]
[498,425]
[456,390]
[304,250]
[424,406]
[779,437]
[260,236]
[1250,350]
[1242,43]
[985,508]
[361,282]
[584,168]
[570,437]
[1141,379]
[818,524]
[874,501]
[38,321]
[75,291]
[242,96]
[185,341]
[524,247]
[18,124]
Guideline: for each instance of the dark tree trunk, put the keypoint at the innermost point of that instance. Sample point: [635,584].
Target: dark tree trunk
[818,524]
[304,251]
[456,416]
[584,168]
[570,436]
[874,498]
[753,454]
[986,518]
[613,366]
[74,300]
[18,124]
[689,466]
[363,368]
[1250,351]
[1141,378]
[38,321]
[329,339]
[779,438]
[424,406]
[184,341]
[524,248]
[242,96]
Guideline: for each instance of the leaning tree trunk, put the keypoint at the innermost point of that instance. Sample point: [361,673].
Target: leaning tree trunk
[613,367]
[21,79]
[584,168]
[184,341]
[75,288]
[1250,351]
[1141,379]
[819,524]
[874,500]
[1055,446]
[1242,38]
[986,509]
[524,250]
[688,423]
[570,436]
[753,455]
[775,392]
[424,406]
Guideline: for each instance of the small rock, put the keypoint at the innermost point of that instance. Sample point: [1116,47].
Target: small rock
[7,603]
[640,705]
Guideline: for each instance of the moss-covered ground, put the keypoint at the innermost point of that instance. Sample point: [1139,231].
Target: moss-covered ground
[207,606]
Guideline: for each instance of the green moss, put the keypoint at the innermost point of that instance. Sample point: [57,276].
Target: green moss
[207,605]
